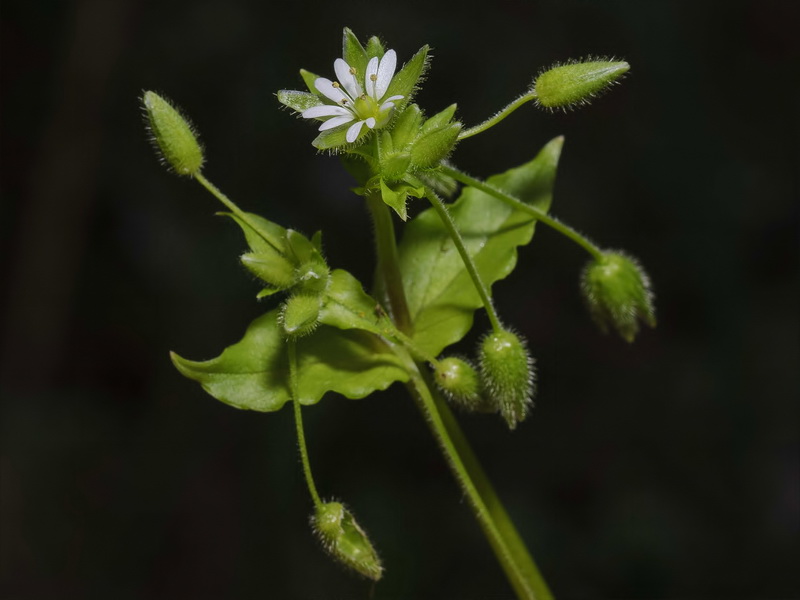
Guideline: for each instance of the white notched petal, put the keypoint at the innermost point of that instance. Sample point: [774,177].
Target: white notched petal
[353,132]
[385,73]
[326,110]
[326,88]
[386,106]
[346,78]
[335,122]
[392,98]
[371,122]
[372,69]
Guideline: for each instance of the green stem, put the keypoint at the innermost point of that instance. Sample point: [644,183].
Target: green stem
[298,420]
[232,207]
[506,543]
[455,235]
[519,205]
[388,266]
[492,121]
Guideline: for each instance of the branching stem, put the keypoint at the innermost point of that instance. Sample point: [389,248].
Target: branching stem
[455,235]
[519,205]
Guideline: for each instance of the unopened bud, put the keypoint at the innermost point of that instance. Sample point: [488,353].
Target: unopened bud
[313,277]
[271,267]
[508,375]
[345,541]
[617,291]
[565,86]
[173,136]
[300,315]
[459,381]
[433,147]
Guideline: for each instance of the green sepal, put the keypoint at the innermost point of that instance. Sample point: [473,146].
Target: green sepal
[272,268]
[298,101]
[406,127]
[354,53]
[433,147]
[440,295]
[374,48]
[301,248]
[406,81]
[253,373]
[334,139]
[266,292]
[316,241]
[394,166]
[309,78]
[440,119]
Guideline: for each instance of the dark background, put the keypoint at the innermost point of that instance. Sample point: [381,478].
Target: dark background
[663,469]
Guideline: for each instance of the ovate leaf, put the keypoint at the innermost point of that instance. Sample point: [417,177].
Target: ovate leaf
[348,306]
[440,294]
[253,373]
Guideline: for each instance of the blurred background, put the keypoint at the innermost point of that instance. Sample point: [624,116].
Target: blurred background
[663,469]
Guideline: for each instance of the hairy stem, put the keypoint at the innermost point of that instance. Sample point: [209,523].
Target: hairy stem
[506,543]
[388,267]
[492,121]
[519,205]
[291,346]
[455,235]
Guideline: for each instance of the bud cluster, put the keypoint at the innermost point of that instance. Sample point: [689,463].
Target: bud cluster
[504,384]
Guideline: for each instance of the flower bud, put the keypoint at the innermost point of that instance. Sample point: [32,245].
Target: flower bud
[300,315]
[173,136]
[564,86]
[459,381]
[508,375]
[345,541]
[313,276]
[618,294]
[434,146]
[271,267]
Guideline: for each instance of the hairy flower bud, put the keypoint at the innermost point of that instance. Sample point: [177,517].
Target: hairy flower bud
[300,315]
[345,541]
[508,375]
[459,381]
[565,86]
[617,291]
[173,136]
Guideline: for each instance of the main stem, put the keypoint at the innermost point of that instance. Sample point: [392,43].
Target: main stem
[510,550]
[519,205]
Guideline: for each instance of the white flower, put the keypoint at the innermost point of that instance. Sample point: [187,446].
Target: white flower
[365,104]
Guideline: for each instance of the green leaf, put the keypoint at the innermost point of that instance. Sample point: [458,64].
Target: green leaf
[262,235]
[394,196]
[348,306]
[440,295]
[406,80]
[298,101]
[253,373]
[353,52]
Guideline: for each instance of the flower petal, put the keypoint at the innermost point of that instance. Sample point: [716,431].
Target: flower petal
[355,129]
[329,90]
[391,98]
[385,73]
[326,110]
[370,122]
[346,78]
[335,122]
[372,71]
[386,106]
